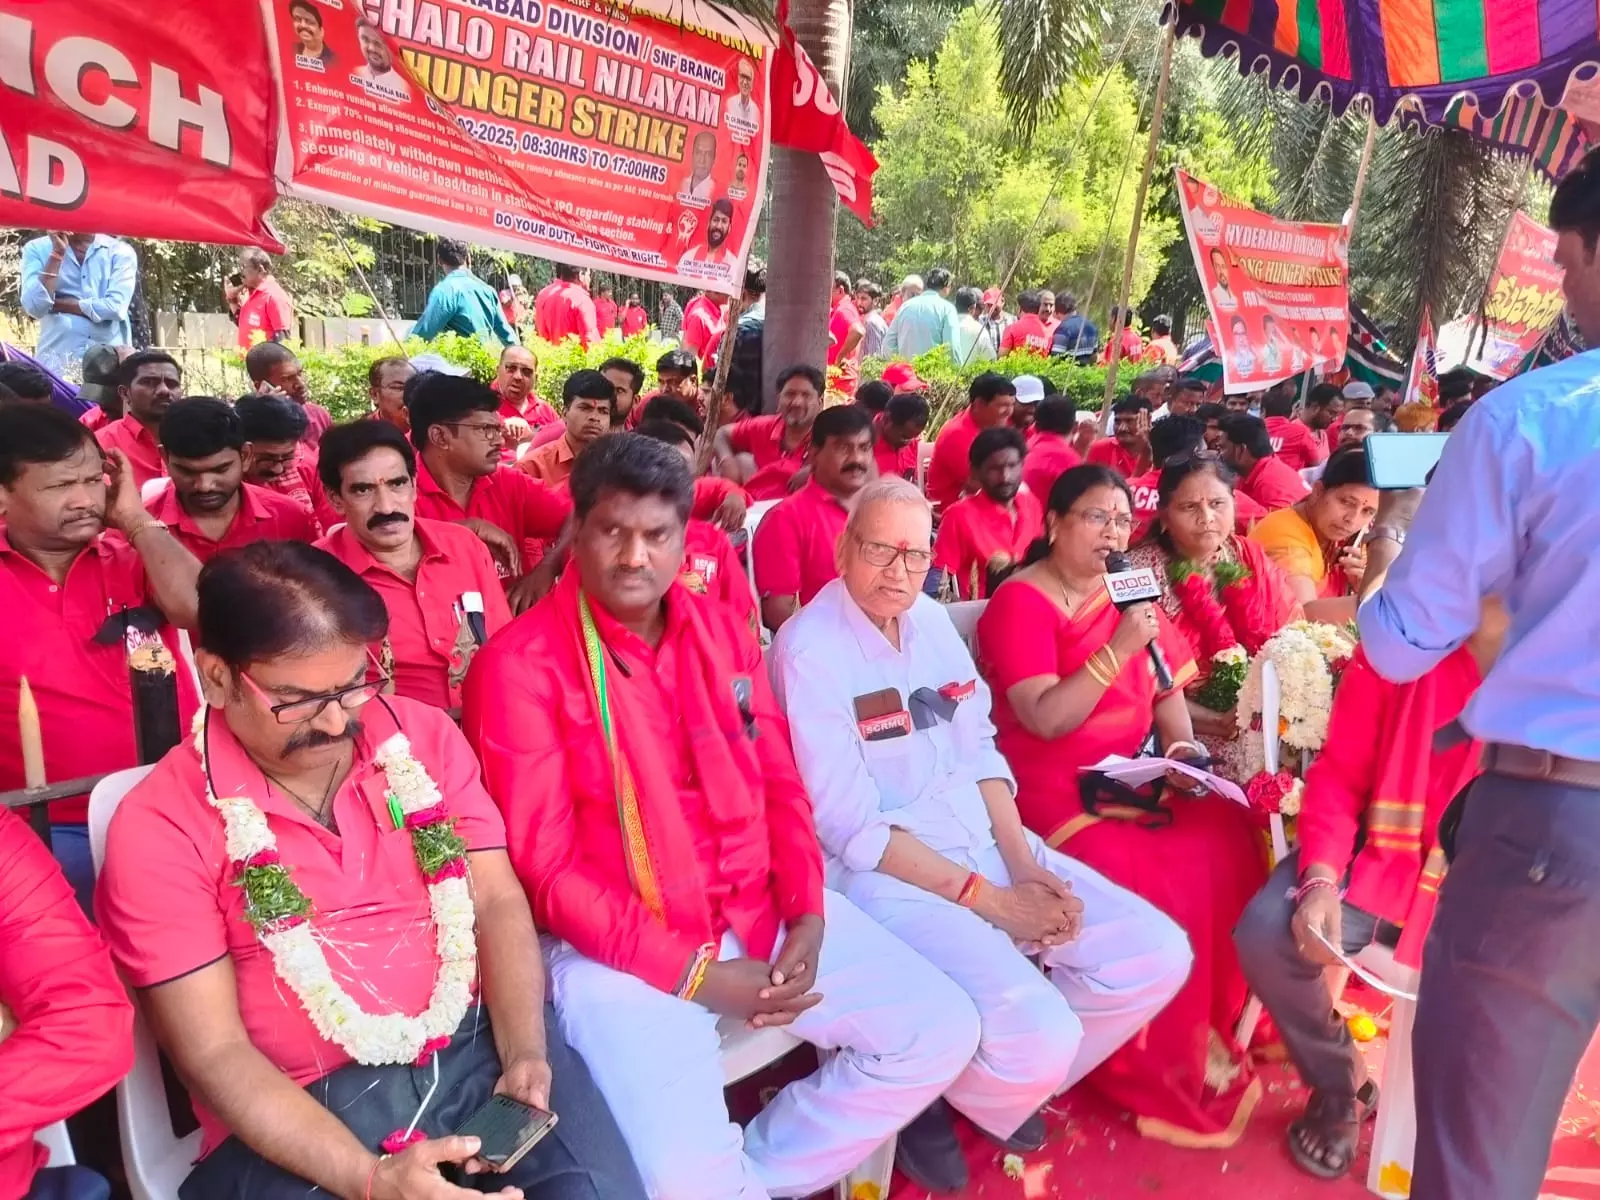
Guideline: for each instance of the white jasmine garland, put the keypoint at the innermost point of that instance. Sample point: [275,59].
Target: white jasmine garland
[1302,653]
[298,957]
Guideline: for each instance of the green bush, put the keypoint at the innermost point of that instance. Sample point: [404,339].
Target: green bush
[337,376]
[947,381]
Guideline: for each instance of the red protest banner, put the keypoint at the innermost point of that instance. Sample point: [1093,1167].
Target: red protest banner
[606,136]
[1278,291]
[1522,301]
[111,121]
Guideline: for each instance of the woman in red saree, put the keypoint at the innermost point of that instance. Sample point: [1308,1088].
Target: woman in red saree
[1219,589]
[1072,684]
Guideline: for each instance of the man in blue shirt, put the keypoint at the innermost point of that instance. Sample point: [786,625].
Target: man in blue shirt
[1076,337]
[924,321]
[461,302]
[79,287]
[1510,993]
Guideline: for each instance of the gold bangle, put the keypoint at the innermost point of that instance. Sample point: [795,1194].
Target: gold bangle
[151,524]
[1096,671]
[1116,663]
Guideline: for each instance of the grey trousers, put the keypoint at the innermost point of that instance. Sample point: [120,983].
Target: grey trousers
[1510,993]
[1292,989]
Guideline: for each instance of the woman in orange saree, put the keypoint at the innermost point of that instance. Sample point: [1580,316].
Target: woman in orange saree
[1072,683]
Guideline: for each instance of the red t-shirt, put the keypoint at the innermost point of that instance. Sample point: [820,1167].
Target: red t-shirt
[605,314]
[168,904]
[1027,332]
[1273,484]
[1146,499]
[265,312]
[318,421]
[634,320]
[75,1035]
[795,544]
[301,484]
[949,470]
[519,504]
[1050,455]
[263,516]
[93,418]
[534,411]
[80,686]
[552,462]
[563,309]
[138,442]
[762,439]
[712,568]
[1108,452]
[977,533]
[704,322]
[709,493]
[901,462]
[841,320]
[1132,347]
[1294,444]
[429,639]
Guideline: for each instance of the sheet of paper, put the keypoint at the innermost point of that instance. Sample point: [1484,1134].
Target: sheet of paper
[1138,771]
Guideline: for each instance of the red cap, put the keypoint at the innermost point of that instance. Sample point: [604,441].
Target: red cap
[993,296]
[902,378]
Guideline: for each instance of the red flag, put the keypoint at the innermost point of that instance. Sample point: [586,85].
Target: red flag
[806,116]
[115,122]
[1423,382]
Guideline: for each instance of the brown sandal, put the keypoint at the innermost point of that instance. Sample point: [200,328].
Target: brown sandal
[1334,1126]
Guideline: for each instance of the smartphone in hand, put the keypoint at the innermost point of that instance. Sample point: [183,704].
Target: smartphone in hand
[506,1130]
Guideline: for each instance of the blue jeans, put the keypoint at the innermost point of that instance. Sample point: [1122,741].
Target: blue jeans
[70,845]
[68,1183]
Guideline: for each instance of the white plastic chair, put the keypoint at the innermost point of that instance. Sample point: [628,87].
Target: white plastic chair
[752,521]
[746,1051]
[964,616]
[924,461]
[1394,1141]
[56,1140]
[157,1160]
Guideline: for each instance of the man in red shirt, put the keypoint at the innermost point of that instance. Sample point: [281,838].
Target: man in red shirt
[898,435]
[711,566]
[207,505]
[148,383]
[259,304]
[1050,454]
[845,332]
[563,309]
[764,453]
[67,589]
[437,580]
[627,378]
[605,309]
[344,932]
[1324,411]
[1170,437]
[456,429]
[991,399]
[635,317]
[589,399]
[1292,441]
[655,814]
[522,410]
[1263,476]
[66,1027]
[278,460]
[386,388]
[1127,450]
[1161,349]
[795,546]
[984,536]
[1132,343]
[1028,331]
[705,318]
[272,367]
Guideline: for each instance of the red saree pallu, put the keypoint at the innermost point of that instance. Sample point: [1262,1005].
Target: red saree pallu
[1181,1077]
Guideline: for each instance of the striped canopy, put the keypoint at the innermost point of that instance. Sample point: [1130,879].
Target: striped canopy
[1433,50]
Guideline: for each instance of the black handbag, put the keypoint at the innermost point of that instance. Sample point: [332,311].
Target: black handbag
[1113,800]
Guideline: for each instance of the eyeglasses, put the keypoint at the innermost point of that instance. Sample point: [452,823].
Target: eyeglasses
[1099,518]
[489,433]
[917,562]
[297,712]
[1184,457]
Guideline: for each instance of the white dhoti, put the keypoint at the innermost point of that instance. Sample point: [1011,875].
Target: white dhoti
[1041,1033]
[903,1031]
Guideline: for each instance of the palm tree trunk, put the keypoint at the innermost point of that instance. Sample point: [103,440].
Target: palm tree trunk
[800,272]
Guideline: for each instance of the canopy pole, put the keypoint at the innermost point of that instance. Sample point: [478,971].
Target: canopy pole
[1361,171]
[719,385]
[327,219]
[1138,218]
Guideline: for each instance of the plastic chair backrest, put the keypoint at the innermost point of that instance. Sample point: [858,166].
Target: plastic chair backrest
[924,460]
[156,1159]
[752,521]
[964,616]
[56,1140]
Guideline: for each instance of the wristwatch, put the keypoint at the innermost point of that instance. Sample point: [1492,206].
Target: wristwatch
[1393,532]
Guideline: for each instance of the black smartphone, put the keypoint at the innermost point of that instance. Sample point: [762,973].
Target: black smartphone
[236,279]
[506,1130]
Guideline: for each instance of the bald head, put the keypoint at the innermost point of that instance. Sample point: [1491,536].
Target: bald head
[519,371]
[886,549]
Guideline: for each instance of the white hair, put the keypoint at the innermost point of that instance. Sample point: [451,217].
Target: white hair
[911,285]
[891,489]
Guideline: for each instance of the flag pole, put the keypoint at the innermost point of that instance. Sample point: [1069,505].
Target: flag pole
[1361,171]
[1138,217]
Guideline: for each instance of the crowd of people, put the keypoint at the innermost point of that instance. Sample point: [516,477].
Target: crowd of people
[503,778]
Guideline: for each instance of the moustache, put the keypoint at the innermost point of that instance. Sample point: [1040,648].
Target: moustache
[381,519]
[854,469]
[312,739]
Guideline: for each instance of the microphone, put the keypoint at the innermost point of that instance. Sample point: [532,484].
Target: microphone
[1129,585]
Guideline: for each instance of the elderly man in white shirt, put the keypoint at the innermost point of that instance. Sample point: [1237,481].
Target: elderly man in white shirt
[915,808]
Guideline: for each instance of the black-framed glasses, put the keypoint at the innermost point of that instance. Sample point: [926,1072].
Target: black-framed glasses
[1189,456]
[488,432]
[296,712]
[917,562]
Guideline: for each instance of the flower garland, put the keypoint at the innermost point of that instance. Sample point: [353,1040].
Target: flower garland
[281,914]
[1308,657]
